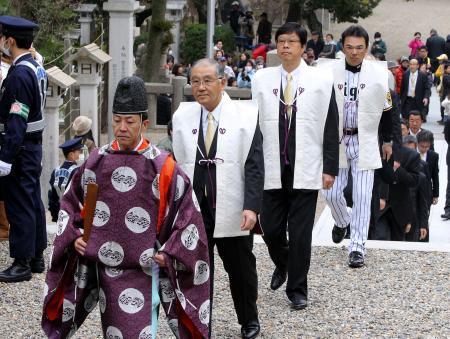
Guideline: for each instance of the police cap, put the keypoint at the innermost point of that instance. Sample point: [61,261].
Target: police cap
[72,145]
[16,27]
[130,97]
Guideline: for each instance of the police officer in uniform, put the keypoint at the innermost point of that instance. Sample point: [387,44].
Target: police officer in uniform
[61,175]
[22,99]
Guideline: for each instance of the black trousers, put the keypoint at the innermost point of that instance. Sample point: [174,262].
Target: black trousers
[239,263]
[291,210]
[409,105]
[23,204]
[447,194]
[387,228]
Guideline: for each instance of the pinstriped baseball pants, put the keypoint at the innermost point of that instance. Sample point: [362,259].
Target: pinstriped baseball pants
[362,187]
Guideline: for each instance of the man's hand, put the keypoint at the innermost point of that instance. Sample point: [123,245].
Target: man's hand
[435,200]
[160,260]
[423,233]
[80,245]
[425,101]
[407,228]
[327,181]
[387,151]
[396,165]
[248,220]
[5,168]
[382,204]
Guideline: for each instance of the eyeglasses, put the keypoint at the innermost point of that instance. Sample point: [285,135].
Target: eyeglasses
[289,42]
[205,82]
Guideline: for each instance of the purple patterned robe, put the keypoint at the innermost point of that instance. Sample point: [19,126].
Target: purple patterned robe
[116,270]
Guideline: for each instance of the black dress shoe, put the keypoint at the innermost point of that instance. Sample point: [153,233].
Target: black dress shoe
[250,330]
[446,215]
[37,264]
[19,271]
[338,234]
[278,279]
[298,302]
[355,259]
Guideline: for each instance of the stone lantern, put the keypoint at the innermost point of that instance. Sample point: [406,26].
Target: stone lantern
[86,18]
[175,11]
[88,62]
[58,83]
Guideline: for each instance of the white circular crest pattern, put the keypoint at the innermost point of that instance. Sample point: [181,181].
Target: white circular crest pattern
[190,237]
[167,292]
[146,258]
[68,310]
[81,276]
[113,333]
[201,272]
[101,215]
[111,253]
[203,313]
[113,272]
[88,177]
[179,191]
[131,300]
[124,179]
[173,324]
[63,220]
[181,298]
[155,187]
[137,220]
[102,300]
[146,333]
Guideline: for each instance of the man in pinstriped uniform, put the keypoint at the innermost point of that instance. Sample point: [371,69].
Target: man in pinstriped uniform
[364,101]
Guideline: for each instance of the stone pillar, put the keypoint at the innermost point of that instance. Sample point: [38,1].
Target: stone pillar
[89,105]
[85,23]
[50,150]
[178,91]
[121,36]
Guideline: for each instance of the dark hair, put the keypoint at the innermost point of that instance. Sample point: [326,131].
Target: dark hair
[404,122]
[217,41]
[417,33]
[425,136]
[330,35]
[377,35]
[263,15]
[67,152]
[251,62]
[415,112]
[170,58]
[22,42]
[293,27]
[230,81]
[423,47]
[355,31]
[169,128]
[175,68]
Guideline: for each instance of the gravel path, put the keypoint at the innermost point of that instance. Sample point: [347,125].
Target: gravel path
[397,295]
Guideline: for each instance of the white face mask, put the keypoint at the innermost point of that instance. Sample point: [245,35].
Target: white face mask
[248,68]
[81,159]
[5,50]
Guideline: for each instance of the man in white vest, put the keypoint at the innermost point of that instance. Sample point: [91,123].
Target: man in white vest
[363,99]
[218,143]
[299,122]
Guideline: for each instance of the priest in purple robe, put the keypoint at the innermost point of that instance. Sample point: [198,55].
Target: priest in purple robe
[147,244]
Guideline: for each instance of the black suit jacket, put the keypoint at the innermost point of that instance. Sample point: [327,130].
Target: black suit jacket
[433,166]
[400,182]
[330,139]
[253,172]
[422,89]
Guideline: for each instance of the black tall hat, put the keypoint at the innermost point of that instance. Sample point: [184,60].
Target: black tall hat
[130,97]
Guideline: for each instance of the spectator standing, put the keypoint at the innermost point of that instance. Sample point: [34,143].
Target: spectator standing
[378,46]
[436,47]
[310,57]
[329,49]
[81,127]
[424,141]
[415,123]
[218,46]
[404,64]
[228,71]
[243,58]
[415,43]
[316,43]
[245,77]
[414,92]
[447,46]
[246,22]
[392,67]
[446,104]
[422,56]
[264,30]
[235,14]
[178,70]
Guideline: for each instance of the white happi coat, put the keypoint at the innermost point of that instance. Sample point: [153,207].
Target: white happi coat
[373,90]
[313,100]
[235,133]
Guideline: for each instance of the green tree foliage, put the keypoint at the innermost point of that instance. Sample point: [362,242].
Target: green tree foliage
[302,11]
[194,45]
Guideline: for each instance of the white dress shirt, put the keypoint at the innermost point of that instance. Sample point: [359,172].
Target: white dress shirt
[412,83]
[216,115]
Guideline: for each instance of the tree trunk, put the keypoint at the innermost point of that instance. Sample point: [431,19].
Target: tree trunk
[312,21]
[154,43]
[295,11]
[299,12]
